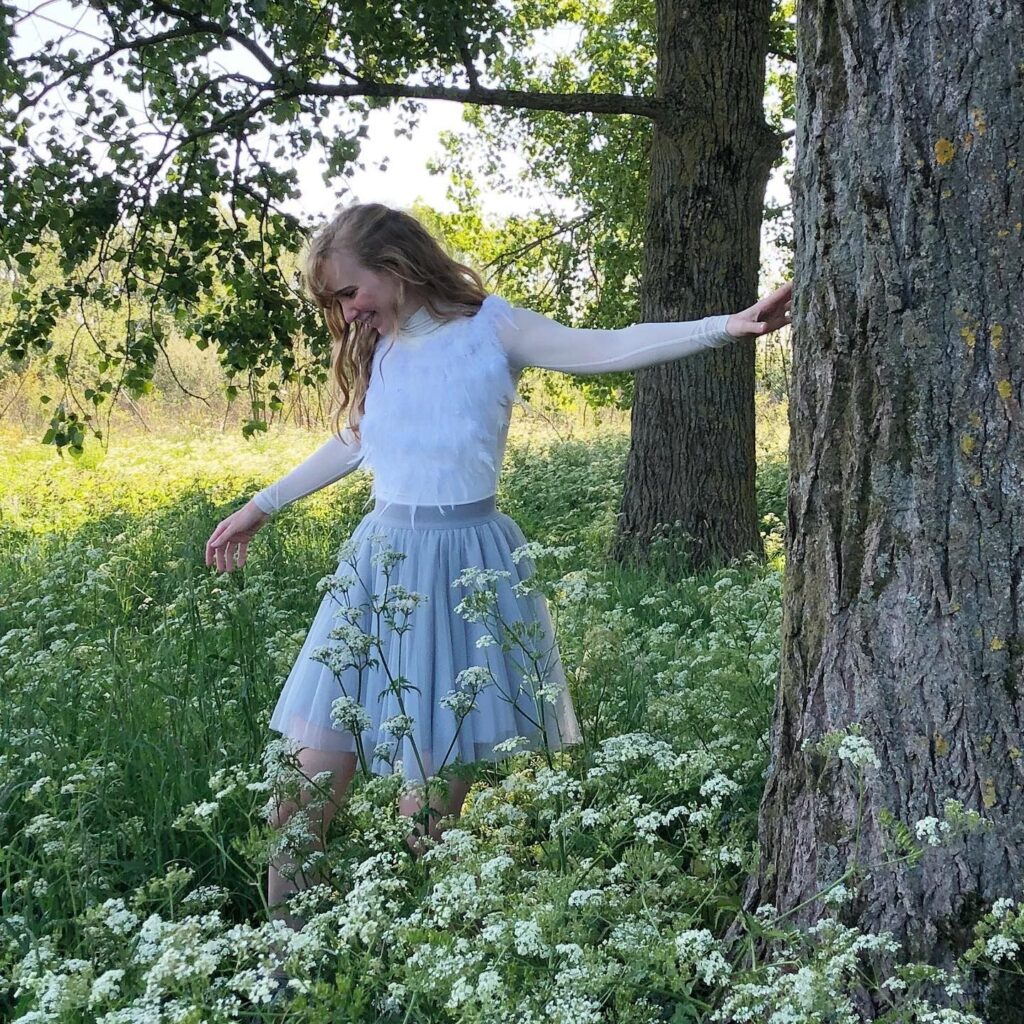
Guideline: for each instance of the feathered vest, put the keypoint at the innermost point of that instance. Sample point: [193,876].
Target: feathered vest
[437,411]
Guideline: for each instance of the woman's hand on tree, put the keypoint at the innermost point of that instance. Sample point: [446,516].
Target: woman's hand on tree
[228,545]
[766,315]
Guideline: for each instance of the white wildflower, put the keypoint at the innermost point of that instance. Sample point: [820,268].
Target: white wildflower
[349,715]
[1002,907]
[837,895]
[717,786]
[493,868]
[398,725]
[474,679]
[510,744]
[105,987]
[119,919]
[38,785]
[528,939]
[459,703]
[488,986]
[858,752]
[931,831]
[999,947]
[581,897]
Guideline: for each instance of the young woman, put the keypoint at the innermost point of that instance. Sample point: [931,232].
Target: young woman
[426,362]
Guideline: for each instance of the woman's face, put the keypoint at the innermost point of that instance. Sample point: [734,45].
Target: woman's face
[364,294]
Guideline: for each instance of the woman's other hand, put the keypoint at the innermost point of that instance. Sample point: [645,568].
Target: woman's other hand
[229,543]
[766,315]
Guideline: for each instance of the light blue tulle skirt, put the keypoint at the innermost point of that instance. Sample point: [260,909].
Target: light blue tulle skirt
[400,665]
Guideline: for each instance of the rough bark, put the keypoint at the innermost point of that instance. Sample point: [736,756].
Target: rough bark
[692,458]
[905,542]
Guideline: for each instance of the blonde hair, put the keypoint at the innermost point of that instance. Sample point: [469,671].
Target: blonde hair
[390,241]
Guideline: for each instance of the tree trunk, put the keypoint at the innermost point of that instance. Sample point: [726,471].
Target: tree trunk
[692,456]
[905,542]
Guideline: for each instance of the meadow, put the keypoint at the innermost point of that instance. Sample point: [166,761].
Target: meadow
[591,884]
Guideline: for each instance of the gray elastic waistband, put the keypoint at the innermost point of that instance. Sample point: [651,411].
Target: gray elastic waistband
[394,513]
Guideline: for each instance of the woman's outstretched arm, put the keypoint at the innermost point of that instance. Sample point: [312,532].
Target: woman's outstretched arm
[536,340]
[334,459]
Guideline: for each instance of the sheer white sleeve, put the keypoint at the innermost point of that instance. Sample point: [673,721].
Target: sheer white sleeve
[330,462]
[532,339]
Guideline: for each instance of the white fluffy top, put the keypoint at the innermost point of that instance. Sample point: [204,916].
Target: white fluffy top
[438,408]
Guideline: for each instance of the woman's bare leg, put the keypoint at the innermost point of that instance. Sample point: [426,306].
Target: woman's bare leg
[313,761]
[411,805]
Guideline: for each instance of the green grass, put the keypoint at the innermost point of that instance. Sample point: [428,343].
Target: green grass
[137,680]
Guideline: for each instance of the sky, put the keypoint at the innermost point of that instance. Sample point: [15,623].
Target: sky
[406,177]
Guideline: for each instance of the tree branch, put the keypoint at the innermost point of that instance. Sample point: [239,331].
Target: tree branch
[224,31]
[467,59]
[565,103]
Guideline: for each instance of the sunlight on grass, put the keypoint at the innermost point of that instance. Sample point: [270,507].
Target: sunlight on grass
[594,884]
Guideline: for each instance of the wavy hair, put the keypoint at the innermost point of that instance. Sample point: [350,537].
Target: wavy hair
[391,241]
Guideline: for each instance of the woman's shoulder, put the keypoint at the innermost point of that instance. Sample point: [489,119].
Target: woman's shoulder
[496,307]
[492,311]
[492,300]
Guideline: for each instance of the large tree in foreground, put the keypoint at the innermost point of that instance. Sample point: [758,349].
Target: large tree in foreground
[904,590]
[177,103]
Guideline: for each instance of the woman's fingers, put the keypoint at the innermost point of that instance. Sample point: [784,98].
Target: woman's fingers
[216,542]
[773,311]
[779,302]
[234,554]
[223,549]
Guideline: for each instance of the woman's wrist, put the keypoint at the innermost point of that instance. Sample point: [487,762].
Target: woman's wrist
[253,503]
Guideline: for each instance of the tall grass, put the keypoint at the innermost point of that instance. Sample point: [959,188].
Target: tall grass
[135,761]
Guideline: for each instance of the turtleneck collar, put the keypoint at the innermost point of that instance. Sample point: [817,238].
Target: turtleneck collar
[418,323]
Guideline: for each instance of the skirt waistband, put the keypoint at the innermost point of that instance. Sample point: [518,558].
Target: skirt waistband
[469,513]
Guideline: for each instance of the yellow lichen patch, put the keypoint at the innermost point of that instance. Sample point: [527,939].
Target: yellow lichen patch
[1002,233]
[968,138]
[967,444]
[946,193]
[985,744]
[1019,225]
[1014,753]
[941,746]
[988,792]
[1012,163]
[979,120]
[1005,389]
[944,151]
[997,644]
[969,336]
[996,332]
[975,418]
[976,479]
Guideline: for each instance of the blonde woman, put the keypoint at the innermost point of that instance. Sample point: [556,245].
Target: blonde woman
[426,363]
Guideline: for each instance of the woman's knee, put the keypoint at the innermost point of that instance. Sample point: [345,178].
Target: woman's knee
[445,802]
[312,762]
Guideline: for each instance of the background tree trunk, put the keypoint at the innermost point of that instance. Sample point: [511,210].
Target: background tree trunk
[905,542]
[692,456]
